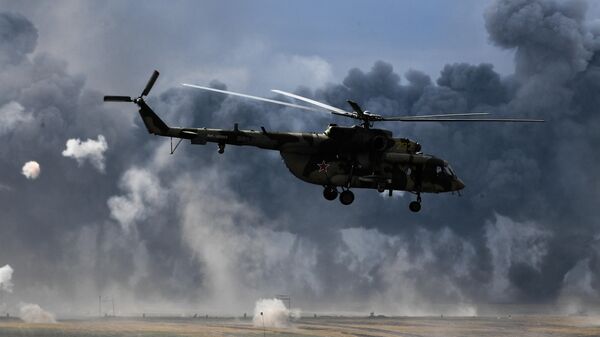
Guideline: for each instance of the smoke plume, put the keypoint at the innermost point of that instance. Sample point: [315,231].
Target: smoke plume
[90,150]
[12,114]
[33,313]
[6,278]
[18,38]
[202,230]
[271,313]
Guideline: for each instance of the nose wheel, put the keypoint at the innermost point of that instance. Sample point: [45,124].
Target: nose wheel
[415,206]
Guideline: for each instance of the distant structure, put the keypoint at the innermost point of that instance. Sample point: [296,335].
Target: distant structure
[105,300]
[284,299]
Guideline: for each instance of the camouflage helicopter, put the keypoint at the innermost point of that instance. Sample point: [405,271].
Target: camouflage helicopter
[341,157]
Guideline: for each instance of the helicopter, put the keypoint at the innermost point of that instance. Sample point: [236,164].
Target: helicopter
[340,158]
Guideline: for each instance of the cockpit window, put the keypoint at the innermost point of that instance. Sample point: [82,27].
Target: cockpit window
[449,171]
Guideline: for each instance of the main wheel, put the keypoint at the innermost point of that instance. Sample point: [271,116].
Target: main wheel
[346,197]
[415,206]
[330,193]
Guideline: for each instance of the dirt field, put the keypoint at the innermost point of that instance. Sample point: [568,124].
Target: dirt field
[323,326]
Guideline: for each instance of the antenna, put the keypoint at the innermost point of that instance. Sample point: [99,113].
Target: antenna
[288,299]
[263,321]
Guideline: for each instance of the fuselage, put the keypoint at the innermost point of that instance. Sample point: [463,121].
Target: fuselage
[354,157]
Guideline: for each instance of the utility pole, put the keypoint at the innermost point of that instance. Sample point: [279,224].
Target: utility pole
[263,321]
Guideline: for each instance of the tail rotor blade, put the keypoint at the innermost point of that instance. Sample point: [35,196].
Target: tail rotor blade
[150,83]
[117,99]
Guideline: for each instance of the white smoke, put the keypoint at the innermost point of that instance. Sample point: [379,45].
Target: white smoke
[144,195]
[33,313]
[511,242]
[6,278]
[364,251]
[271,312]
[31,170]
[91,150]
[11,115]
[30,313]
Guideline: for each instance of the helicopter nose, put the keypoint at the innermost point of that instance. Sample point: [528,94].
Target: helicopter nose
[458,184]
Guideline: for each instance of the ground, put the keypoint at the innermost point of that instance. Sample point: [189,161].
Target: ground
[321,326]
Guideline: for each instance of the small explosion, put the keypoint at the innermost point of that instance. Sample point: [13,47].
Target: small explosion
[92,150]
[272,313]
[5,278]
[33,313]
[31,170]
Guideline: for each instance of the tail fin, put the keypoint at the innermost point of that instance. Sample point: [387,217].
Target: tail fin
[153,123]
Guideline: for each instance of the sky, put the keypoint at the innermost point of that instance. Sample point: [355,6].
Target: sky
[93,206]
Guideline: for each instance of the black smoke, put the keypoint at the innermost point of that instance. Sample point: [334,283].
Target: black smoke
[198,227]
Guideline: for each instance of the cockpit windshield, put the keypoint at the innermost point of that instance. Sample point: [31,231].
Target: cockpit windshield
[449,171]
[444,170]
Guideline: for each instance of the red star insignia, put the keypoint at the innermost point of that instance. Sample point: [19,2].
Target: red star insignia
[323,166]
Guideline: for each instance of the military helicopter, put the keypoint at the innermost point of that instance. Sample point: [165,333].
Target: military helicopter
[341,157]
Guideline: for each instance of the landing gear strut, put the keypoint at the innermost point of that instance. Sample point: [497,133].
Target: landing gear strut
[330,193]
[415,206]
[221,148]
[346,197]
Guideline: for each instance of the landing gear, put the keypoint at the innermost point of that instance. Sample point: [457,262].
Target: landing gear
[415,206]
[381,187]
[221,148]
[346,197]
[330,193]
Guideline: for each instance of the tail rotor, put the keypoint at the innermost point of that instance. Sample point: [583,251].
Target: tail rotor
[153,123]
[145,92]
[150,83]
[117,99]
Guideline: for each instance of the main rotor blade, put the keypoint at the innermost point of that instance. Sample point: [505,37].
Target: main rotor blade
[332,109]
[117,99]
[513,120]
[150,83]
[253,97]
[359,111]
[440,115]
